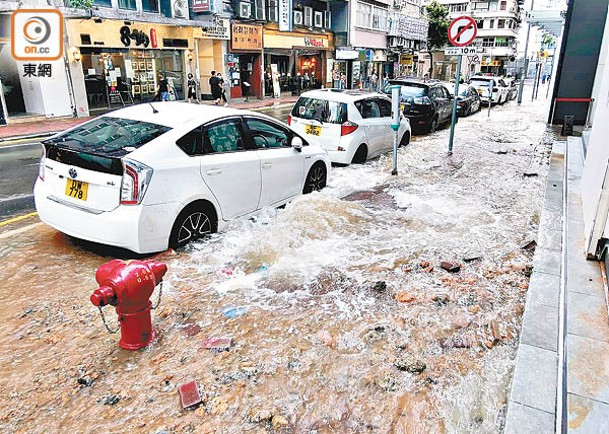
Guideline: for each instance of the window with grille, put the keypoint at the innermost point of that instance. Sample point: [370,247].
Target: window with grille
[308,16]
[259,9]
[271,11]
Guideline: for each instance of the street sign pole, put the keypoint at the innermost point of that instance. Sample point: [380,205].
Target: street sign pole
[454,117]
[396,116]
[491,83]
[461,32]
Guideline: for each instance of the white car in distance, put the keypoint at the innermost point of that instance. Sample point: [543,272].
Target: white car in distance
[496,86]
[154,176]
[353,126]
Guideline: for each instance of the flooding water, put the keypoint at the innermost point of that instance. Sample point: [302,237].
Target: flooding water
[342,319]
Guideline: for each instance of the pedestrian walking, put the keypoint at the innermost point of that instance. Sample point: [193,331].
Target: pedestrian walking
[215,88]
[222,89]
[192,88]
[162,90]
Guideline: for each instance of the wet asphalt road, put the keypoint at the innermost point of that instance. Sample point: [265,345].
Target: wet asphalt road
[19,169]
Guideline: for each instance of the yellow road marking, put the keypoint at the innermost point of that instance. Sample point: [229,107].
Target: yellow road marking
[17,219]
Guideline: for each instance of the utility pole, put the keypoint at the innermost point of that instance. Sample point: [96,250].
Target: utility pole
[526,59]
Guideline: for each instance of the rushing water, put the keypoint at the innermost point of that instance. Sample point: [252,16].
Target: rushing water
[341,317]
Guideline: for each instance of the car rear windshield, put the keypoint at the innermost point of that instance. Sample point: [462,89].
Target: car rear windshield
[108,136]
[410,89]
[480,81]
[332,112]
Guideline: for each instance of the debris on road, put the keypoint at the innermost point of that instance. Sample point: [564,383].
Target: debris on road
[218,344]
[234,312]
[450,267]
[408,362]
[189,394]
[380,286]
[531,245]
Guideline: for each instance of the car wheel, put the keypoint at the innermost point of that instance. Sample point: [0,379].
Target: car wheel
[316,179]
[194,222]
[405,139]
[433,125]
[360,155]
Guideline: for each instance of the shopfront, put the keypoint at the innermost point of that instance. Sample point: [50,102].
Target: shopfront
[302,59]
[211,47]
[245,63]
[123,62]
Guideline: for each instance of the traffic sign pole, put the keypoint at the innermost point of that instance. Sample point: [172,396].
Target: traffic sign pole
[454,117]
[461,32]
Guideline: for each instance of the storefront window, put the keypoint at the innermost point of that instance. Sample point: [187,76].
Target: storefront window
[127,4]
[150,5]
[115,77]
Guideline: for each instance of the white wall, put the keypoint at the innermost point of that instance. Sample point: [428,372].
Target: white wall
[597,159]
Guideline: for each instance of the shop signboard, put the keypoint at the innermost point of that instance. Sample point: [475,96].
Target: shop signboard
[285,15]
[406,59]
[246,37]
[201,6]
[346,54]
[217,29]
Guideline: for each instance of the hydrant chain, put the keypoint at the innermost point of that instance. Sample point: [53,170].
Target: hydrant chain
[101,312]
[158,301]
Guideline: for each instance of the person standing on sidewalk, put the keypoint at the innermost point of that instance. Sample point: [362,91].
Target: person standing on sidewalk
[192,88]
[222,89]
[215,87]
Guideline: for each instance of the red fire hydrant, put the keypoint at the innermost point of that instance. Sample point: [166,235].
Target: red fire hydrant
[128,286]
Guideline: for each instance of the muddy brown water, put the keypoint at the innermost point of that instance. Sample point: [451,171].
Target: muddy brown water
[349,324]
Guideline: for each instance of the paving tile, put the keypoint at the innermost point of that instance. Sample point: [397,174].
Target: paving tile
[588,368]
[550,239]
[521,419]
[587,316]
[540,326]
[584,276]
[547,261]
[534,383]
[575,212]
[551,219]
[544,289]
[587,416]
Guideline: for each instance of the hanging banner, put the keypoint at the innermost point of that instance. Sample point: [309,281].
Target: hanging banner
[285,15]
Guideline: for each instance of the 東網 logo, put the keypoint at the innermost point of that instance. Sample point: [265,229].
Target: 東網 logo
[37,34]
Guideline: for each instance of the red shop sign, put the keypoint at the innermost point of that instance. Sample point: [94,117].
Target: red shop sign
[153,40]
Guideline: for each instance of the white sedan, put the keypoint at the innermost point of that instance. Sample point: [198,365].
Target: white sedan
[154,176]
[353,126]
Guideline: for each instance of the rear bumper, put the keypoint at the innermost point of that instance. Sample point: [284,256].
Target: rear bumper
[419,121]
[139,228]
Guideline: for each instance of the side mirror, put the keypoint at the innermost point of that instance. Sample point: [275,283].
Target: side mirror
[297,143]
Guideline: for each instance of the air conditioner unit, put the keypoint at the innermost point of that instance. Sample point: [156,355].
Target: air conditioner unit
[297,18]
[245,10]
[179,8]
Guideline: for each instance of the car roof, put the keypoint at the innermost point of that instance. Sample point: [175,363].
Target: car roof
[341,95]
[174,114]
[417,81]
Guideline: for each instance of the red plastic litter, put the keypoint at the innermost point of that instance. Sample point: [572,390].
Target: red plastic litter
[192,329]
[189,394]
[217,343]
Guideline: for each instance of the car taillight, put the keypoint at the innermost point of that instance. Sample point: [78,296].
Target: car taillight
[136,178]
[41,166]
[289,119]
[347,128]
[422,100]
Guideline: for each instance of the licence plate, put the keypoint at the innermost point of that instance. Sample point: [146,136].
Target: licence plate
[313,130]
[480,92]
[403,107]
[77,189]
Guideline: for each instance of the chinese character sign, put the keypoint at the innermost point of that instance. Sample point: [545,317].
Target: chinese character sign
[285,15]
[246,37]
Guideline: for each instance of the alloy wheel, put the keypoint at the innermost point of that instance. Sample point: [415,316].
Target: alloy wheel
[316,180]
[196,225]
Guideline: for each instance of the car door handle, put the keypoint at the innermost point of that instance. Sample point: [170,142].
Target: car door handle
[266,165]
[212,172]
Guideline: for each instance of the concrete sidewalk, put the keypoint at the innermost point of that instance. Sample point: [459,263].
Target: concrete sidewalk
[47,127]
[578,290]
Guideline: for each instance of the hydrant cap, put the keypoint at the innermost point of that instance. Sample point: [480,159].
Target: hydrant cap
[158,269]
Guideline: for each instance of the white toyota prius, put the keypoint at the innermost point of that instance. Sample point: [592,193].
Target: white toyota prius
[154,176]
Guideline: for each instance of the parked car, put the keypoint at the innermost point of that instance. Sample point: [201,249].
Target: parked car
[498,88]
[468,101]
[153,176]
[427,103]
[353,126]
